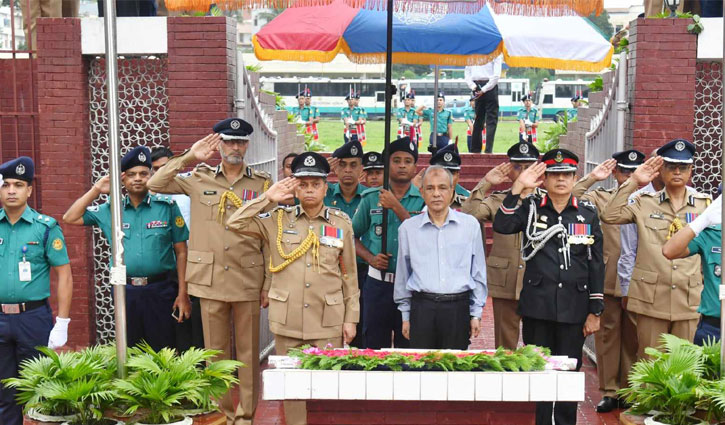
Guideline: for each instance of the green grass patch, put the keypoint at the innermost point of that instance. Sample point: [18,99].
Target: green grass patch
[507,133]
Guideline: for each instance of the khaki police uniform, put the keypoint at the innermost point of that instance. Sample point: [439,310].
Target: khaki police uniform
[616,341]
[663,293]
[224,269]
[314,294]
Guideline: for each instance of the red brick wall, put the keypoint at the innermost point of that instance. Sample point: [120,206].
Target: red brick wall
[662,82]
[419,412]
[64,159]
[202,58]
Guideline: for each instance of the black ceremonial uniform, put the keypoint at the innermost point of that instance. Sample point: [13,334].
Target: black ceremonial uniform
[564,279]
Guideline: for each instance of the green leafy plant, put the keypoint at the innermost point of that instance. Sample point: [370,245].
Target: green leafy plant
[596,85]
[550,139]
[696,26]
[673,381]
[254,68]
[523,359]
[623,45]
[666,14]
[163,384]
[69,383]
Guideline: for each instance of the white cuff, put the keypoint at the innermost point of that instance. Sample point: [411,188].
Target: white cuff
[700,223]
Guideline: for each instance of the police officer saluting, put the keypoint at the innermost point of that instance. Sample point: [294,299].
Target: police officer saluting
[504,267]
[31,244]
[562,295]
[155,236]
[225,269]
[312,292]
[664,294]
[373,168]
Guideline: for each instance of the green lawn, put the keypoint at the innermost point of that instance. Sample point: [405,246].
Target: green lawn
[330,132]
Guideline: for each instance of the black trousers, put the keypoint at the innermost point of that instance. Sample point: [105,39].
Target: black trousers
[486,111]
[382,321]
[148,314]
[190,333]
[564,339]
[131,8]
[362,273]
[439,325]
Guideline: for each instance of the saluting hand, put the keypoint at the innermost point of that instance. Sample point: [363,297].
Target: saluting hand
[333,163]
[529,178]
[418,179]
[499,174]
[647,172]
[103,185]
[205,148]
[283,190]
[603,170]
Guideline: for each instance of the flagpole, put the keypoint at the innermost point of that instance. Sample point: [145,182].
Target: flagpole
[118,270]
[388,107]
[722,240]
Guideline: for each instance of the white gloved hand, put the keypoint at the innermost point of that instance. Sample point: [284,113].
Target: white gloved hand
[59,334]
[712,215]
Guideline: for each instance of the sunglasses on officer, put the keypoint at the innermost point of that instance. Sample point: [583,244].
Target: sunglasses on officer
[674,166]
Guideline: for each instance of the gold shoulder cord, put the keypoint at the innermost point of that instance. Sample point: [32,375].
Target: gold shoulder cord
[266,185]
[311,241]
[675,227]
[231,197]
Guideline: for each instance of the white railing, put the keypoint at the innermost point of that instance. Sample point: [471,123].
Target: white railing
[606,128]
[261,154]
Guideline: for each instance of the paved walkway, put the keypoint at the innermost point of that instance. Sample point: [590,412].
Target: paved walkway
[270,412]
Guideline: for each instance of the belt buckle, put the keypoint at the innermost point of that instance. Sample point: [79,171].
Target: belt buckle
[139,281]
[10,308]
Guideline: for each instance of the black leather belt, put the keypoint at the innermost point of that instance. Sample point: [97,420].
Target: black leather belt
[147,280]
[481,82]
[711,320]
[22,307]
[442,298]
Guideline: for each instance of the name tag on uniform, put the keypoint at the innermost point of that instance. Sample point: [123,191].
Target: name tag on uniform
[290,232]
[126,226]
[210,192]
[24,271]
[716,250]
[376,211]
[156,224]
[658,216]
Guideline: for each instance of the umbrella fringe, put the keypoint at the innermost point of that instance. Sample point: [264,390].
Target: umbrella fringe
[513,7]
[412,58]
[561,64]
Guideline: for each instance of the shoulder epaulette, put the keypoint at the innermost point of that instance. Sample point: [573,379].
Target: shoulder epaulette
[588,204]
[338,213]
[603,189]
[651,194]
[370,190]
[203,166]
[277,208]
[46,220]
[501,192]
[163,198]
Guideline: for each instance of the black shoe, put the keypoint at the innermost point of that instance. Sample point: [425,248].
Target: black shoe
[623,404]
[607,404]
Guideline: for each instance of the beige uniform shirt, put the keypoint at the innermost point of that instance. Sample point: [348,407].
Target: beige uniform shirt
[660,288]
[612,241]
[222,265]
[504,265]
[310,298]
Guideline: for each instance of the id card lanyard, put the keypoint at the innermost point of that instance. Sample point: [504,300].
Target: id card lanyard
[24,267]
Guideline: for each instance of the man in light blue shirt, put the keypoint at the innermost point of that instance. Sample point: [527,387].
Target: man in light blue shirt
[440,279]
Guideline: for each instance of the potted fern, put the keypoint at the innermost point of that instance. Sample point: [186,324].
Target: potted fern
[161,387]
[671,384]
[71,387]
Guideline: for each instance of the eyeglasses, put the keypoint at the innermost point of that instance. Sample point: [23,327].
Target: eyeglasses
[672,167]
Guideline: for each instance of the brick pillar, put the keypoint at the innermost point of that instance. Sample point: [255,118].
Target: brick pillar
[64,156]
[202,70]
[662,82]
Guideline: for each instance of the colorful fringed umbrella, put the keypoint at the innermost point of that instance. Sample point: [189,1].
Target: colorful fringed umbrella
[320,33]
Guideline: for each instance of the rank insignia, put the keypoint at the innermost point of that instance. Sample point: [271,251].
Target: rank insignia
[580,218]
[57,244]
[179,221]
[718,270]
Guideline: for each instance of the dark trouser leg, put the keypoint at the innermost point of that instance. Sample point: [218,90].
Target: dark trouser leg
[468,142]
[476,142]
[362,273]
[158,325]
[490,101]
[453,325]
[562,339]
[190,333]
[134,315]
[19,335]
[382,317]
[705,332]
[423,331]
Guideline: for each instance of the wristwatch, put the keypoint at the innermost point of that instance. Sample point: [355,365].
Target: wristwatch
[598,314]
